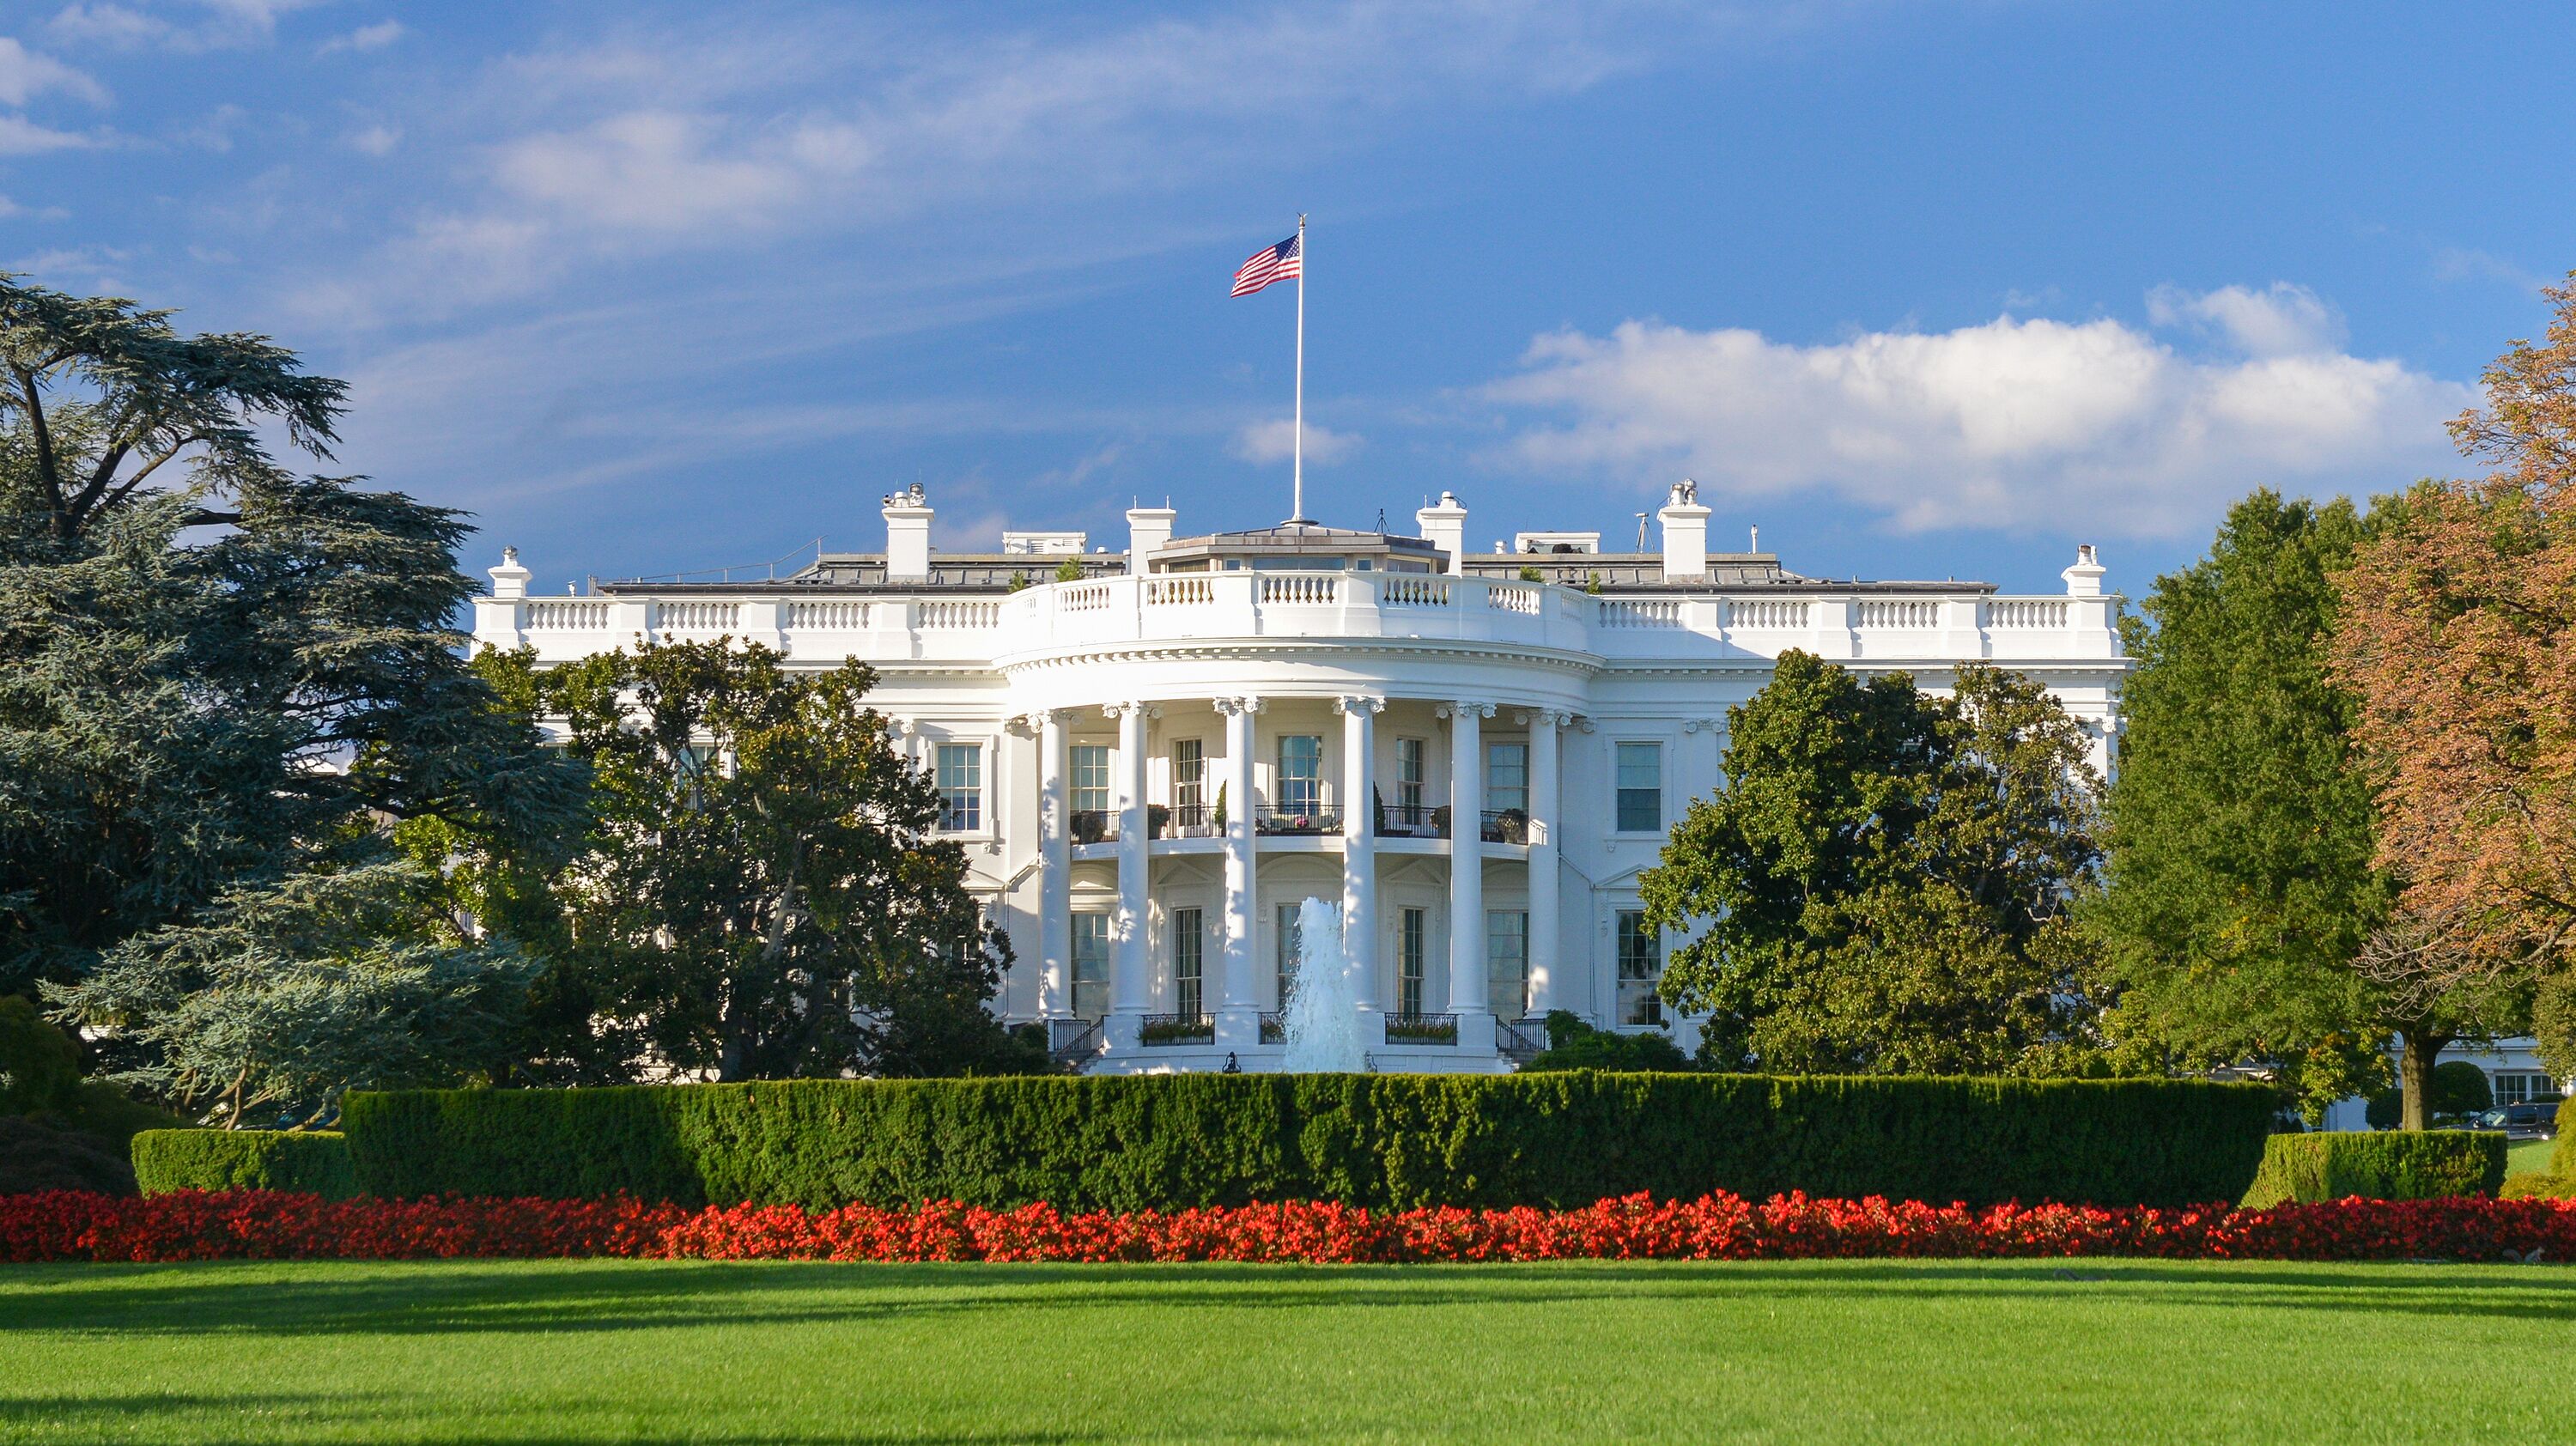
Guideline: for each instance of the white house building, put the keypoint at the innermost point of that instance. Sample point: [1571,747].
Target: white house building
[1472,754]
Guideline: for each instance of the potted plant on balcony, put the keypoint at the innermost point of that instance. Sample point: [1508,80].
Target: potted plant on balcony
[1158,821]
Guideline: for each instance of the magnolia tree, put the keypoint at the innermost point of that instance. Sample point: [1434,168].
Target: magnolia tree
[1882,884]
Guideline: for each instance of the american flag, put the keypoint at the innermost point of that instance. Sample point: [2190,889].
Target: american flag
[1271,263]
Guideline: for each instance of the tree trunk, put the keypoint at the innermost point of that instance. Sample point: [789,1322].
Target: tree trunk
[2415,1076]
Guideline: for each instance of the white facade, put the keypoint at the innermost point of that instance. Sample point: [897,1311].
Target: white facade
[1152,766]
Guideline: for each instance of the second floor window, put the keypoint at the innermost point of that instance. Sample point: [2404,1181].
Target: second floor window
[1507,778]
[1641,787]
[961,787]
[1409,779]
[1090,778]
[1301,774]
[1189,785]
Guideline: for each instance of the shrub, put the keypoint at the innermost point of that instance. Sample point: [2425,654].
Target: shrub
[39,1064]
[2378,1165]
[2537,1186]
[312,1162]
[35,1156]
[1384,1141]
[1573,1044]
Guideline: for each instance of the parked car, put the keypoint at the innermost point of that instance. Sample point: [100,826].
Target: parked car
[2535,1121]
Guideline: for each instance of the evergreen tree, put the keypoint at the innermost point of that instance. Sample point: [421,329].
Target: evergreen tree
[2241,891]
[1883,879]
[189,715]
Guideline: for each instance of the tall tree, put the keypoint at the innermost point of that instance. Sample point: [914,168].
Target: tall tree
[1883,878]
[2460,642]
[762,894]
[2240,882]
[186,714]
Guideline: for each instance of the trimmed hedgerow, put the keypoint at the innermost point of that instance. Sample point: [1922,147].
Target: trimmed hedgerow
[312,1162]
[2378,1165]
[1382,1141]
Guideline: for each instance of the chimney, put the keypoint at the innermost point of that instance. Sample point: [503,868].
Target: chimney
[1444,525]
[1147,529]
[2084,579]
[509,579]
[1685,525]
[907,516]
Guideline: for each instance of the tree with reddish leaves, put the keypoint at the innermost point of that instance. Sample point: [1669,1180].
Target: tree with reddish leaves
[2458,619]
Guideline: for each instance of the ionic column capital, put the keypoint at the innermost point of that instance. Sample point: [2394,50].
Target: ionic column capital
[1464,707]
[1359,704]
[1703,725]
[1232,707]
[1115,711]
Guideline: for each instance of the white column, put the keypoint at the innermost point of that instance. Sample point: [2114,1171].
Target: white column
[1238,1023]
[1130,979]
[1055,872]
[1543,880]
[1359,848]
[1467,876]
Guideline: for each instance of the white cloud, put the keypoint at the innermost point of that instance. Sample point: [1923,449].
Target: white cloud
[1274,440]
[26,74]
[200,24]
[2011,423]
[2281,320]
[22,137]
[365,37]
[376,140]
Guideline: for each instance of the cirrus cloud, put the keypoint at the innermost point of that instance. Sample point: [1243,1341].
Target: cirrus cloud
[2010,423]
[1275,441]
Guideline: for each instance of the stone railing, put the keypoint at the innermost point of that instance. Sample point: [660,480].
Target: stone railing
[1925,626]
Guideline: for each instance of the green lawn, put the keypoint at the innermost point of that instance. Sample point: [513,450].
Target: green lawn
[1899,1352]
[2528,1156]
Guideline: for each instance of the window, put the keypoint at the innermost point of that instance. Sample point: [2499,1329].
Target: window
[1090,778]
[2514,1088]
[1091,965]
[1189,957]
[1507,963]
[1408,782]
[1641,787]
[1301,774]
[1189,783]
[1641,967]
[1409,952]
[961,787]
[1507,778]
[1286,937]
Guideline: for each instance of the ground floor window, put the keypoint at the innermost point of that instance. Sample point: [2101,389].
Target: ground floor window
[2514,1087]
[1641,968]
[1091,965]
[961,787]
[1409,960]
[1507,963]
[1189,956]
[1286,934]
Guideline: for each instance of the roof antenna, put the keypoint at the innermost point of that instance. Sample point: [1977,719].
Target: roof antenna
[1757,537]
[1641,532]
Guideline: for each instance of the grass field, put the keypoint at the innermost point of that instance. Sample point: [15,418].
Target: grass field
[1910,1352]
[2528,1156]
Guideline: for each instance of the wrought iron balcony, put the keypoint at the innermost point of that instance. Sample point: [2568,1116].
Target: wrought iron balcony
[1171,1029]
[1422,1029]
[1268,820]
[1073,1041]
[1520,1040]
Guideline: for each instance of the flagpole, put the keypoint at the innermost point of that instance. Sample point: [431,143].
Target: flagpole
[1298,446]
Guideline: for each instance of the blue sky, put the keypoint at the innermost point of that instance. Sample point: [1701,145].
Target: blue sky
[1922,290]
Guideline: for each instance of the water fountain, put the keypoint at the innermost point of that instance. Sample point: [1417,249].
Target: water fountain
[1323,1007]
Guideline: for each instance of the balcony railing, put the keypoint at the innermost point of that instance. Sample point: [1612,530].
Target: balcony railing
[1504,826]
[1173,1029]
[1412,820]
[1274,1026]
[1422,1029]
[1267,820]
[1520,1040]
[1073,1041]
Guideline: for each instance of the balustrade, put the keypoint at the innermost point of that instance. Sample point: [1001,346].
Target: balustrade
[1300,587]
[696,617]
[567,616]
[1900,613]
[1766,613]
[829,616]
[1412,590]
[951,614]
[1641,612]
[2026,612]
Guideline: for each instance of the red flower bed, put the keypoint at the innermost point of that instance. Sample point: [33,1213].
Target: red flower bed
[259,1225]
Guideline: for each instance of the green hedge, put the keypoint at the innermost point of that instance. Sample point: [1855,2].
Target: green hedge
[1173,1141]
[312,1161]
[2379,1165]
